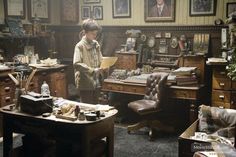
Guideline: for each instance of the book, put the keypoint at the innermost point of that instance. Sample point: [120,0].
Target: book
[184,71]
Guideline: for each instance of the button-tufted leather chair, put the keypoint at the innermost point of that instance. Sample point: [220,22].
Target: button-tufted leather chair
[152,103]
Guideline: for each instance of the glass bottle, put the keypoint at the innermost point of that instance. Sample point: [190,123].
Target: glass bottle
[45,92]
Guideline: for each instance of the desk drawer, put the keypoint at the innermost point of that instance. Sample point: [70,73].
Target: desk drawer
[183,94]
[6,99]
[221,83]
[233,85]
[221,96]
[113,87]
[7,88]
[221,104]
[135,89]
[220,73]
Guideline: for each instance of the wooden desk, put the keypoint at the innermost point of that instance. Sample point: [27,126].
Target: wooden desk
[192,94]
[82,132]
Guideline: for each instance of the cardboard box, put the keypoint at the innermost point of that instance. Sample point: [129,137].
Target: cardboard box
[187,146]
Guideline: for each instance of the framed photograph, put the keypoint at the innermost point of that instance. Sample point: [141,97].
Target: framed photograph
[159,10]
[158,35]
[167,35]
[230,8]
[69,11]
[92,1]
[97,12]
[39,9]
[202,8]
[86,12]
[121,8]
[14,8]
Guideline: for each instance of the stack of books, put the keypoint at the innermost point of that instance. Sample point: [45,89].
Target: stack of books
[185,76]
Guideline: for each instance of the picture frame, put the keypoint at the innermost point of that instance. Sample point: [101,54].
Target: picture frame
[121,8]
[158,35]
[15,26]
[39,9]
[167,35]
[202,8]
[98,12]
[14,8]
[85,12]
[92,1]
[230,8]
[166,13]
[69,11]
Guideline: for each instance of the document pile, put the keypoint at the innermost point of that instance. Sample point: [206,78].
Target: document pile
[184,76]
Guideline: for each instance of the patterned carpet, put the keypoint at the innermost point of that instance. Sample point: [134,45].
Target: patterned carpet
[138,145]
[135,144]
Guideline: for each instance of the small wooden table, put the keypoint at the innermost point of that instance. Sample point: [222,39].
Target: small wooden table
[82,132]
[193,94]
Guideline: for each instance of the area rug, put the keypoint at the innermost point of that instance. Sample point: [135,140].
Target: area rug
[138,145]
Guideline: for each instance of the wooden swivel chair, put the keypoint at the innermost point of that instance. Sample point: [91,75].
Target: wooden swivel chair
[151,106]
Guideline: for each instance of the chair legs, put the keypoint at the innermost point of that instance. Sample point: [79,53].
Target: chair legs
[137,126]
[151,125]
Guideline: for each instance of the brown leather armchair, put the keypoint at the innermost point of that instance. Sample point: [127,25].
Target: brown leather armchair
[151,105]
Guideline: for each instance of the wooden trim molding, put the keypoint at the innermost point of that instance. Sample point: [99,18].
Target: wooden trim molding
[201,28]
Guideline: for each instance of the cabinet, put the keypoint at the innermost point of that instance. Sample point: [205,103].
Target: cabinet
[58,84]
[7,91]
[126,60]
[223,89]
[196,61]
[55,78]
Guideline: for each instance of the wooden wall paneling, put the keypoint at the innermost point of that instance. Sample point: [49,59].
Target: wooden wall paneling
[114,36]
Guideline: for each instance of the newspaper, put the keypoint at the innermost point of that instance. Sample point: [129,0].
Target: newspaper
[108,62]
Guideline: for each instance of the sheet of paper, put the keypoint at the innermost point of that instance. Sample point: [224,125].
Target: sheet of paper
[107,62]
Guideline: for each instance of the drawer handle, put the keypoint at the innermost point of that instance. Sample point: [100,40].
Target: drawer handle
[222,84]
[221,107]
[62,70]
[7,99]
[221,96]
[7,89]
[222,73]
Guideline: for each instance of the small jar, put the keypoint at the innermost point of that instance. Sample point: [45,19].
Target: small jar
[81,116]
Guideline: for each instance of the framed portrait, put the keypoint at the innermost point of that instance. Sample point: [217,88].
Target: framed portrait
[230,8]
[92,1]
[202,8]
[14,8]
[69,11]
[86,12]
[97,12]
[121,8]
[159,10]
[39,9]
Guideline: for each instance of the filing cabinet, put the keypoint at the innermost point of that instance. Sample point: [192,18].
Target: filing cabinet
[223,89]
[7,91]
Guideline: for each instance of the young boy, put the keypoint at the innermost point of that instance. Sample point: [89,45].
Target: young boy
[87,60]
